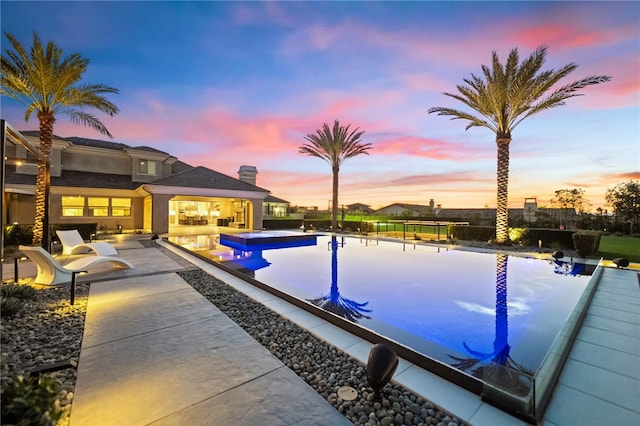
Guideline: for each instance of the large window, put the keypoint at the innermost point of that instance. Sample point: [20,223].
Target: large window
[98,206]
[121,207]
[72,205]
[95,206]
[146,167]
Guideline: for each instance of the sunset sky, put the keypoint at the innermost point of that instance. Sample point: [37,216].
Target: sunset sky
[222,84]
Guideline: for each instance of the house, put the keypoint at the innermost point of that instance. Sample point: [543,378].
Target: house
[405,210]
[274,207]
[359,208]
[136,188]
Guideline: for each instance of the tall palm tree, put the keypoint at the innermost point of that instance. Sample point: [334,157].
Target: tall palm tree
[48,83]
[507,95]
[334,146]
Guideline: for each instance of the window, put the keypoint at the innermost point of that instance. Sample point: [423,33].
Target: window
[98,206]
[72,205]
[146,167]
[121,207]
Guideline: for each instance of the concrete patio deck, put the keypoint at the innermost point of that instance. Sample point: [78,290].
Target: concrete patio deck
[156,352]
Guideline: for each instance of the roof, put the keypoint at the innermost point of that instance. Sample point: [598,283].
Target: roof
[410,207]
[73,178]
[183,174]
[271,199]
[96,143]
[201,177]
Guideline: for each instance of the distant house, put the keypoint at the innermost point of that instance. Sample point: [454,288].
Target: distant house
[531,213]
[406,210]
[359,208]
[138,188]
[274,207]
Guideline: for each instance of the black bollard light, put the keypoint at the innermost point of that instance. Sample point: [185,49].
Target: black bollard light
[621,262]
[381,365]
[557,254]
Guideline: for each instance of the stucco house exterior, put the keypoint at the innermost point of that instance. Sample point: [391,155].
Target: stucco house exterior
[136,188]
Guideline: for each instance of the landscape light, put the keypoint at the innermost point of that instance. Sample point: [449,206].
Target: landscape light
[382,363]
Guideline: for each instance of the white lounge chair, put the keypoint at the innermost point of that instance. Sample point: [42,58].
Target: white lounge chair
[51,272]
[72,243]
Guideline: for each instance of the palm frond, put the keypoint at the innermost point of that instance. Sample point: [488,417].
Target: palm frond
[507,94]
[46,81]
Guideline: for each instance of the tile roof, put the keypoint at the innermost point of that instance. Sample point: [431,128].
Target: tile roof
[271,199]
[76,179]
[201,177]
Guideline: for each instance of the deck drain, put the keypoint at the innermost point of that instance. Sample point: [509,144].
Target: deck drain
[347,393]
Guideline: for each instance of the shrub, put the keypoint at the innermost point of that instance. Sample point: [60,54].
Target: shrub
[10,306]
[282,223]
[30,402]
[18,291]
[553,238]
[472,233]
[15,235]
[587,243]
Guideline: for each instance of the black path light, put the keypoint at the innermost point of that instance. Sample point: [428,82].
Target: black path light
[381,365]
[621,262]
[557,254]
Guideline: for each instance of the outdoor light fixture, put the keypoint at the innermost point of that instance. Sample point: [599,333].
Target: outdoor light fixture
[381,365]
[16,261]
[621,262]
[557,254]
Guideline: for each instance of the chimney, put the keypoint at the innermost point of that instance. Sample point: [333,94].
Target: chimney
[248,174]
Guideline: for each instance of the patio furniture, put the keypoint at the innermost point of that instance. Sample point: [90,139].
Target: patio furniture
[51,272]
[72,243]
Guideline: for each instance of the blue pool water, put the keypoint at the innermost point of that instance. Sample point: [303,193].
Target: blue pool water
[451,305]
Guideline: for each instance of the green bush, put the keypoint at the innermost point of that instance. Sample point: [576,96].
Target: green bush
[472,233]
[19,291]
[10,306]
[282,223]
[30,402]
[587,243]
[553,238]
[15,235]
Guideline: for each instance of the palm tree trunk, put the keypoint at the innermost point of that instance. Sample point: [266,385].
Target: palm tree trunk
[334,203]
[42,181]
[502,212]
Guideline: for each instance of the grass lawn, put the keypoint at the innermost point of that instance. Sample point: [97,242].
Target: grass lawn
[627,247]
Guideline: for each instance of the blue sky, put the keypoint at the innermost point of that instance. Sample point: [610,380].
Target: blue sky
[222,84]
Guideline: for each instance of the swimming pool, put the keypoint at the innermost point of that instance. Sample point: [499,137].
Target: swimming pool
[466,310]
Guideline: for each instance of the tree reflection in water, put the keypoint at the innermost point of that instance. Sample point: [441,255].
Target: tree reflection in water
[498,366]
[334,302]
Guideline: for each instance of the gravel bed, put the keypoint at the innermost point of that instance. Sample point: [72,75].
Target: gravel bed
[48,329]
[321,365]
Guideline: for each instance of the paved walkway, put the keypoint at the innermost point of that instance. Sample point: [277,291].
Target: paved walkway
[157,352]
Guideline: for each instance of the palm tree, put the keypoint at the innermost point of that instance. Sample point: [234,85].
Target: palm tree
[507,95]
[46,83]
[334,146]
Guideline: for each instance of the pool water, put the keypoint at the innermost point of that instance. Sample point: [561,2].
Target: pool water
[461,308]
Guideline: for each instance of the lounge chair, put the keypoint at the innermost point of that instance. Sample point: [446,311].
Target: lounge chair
[51,272]
[72,243]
